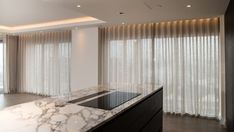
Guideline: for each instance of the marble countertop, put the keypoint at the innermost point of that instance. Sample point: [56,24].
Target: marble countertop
[54,114]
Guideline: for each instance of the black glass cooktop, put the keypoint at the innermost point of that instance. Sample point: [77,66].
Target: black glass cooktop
[110,101]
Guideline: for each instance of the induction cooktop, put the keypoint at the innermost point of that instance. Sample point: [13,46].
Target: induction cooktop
[87,97]
[110,101]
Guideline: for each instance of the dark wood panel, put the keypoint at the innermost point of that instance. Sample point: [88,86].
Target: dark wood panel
[136,117]
[229,58]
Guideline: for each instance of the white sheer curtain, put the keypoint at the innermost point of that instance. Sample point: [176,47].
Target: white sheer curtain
[10,45]
[44,63]
[183,56]
[187,63]
[126,54]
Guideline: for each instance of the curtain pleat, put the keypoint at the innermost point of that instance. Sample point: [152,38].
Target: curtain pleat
[44,63]
[126,54]
[183,56]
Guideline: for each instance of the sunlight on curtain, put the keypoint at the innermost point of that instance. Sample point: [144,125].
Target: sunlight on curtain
[126,55]
[183,56]
[187,64]
[44,62]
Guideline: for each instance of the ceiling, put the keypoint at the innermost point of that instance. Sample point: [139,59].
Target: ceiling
[137,11]
[24,12]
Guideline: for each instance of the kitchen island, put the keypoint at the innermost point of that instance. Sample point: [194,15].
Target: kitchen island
[90,109]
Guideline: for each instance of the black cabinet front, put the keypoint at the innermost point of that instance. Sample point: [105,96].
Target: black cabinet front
[155,125]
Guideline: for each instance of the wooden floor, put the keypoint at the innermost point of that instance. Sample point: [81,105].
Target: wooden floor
[171,123]
[14,99]
[175,123]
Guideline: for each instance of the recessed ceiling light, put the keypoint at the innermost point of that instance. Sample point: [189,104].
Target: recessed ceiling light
[121,13]
[189,6]
[78,6]
[159,5]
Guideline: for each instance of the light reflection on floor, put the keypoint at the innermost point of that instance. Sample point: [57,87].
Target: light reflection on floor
[14,99]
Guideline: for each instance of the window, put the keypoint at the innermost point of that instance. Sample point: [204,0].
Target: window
[130,61]
[1,66]
[45,63]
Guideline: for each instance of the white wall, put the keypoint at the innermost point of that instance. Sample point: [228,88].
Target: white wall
[84,60]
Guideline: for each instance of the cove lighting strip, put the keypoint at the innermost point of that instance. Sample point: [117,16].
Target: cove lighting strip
[48,24]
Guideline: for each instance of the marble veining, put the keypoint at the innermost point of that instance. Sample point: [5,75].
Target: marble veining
[56,115]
